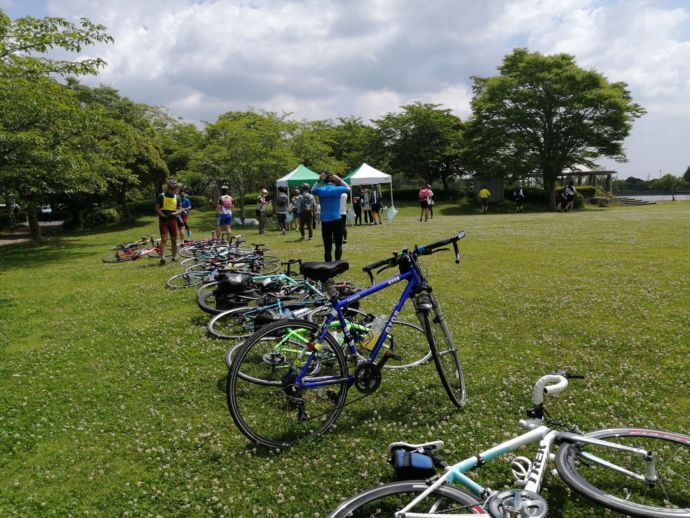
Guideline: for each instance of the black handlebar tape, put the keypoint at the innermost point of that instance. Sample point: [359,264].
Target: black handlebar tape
[373,266]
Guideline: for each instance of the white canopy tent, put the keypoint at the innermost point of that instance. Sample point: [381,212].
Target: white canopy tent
[367,175]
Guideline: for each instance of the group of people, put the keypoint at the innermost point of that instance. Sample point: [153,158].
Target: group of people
[367,202]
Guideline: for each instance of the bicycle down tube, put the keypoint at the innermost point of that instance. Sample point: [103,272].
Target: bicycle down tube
[413,281]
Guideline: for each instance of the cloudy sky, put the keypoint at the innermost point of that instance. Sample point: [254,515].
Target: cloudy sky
[330,58]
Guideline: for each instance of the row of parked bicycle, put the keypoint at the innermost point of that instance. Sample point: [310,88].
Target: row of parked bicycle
[299,340]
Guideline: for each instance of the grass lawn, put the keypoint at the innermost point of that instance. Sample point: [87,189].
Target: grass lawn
[112,397]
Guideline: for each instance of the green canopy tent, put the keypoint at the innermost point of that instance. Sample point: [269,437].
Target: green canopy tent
[301,174]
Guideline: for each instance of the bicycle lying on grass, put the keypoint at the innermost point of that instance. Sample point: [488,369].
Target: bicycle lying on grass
[310,391]
[633,471]
[132,254]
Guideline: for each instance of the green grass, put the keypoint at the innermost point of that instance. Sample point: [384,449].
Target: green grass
[112,397]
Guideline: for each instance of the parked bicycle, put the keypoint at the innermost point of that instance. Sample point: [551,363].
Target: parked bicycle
[132,254]
[311,392]
[633,471]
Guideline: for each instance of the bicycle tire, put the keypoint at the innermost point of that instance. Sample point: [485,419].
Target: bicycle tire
[206,288]
[385,500]
[406,339]
[445,354]
[233,324]
[207,303]
[619,492]
[115,258]
[279,415]
[184,280]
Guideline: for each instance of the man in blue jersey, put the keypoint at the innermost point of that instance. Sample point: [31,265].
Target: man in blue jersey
[328,189]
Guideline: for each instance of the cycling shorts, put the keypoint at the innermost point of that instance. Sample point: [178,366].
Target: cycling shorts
[224,219]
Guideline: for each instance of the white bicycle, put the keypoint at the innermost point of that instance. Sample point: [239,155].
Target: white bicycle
[634,471]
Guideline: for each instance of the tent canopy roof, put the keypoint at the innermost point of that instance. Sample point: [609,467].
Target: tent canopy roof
[297,177]
[367,175]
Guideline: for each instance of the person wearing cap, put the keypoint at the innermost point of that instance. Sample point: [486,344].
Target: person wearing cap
[168,207]
[329,189]
[261,206]
[224,213]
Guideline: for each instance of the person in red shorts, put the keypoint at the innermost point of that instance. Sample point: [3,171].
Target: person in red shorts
[168,207]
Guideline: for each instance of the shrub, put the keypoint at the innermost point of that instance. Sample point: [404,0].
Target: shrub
[101,216]
[587,191]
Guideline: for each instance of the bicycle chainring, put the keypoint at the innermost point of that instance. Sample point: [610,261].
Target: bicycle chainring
[516,503]
[367,378]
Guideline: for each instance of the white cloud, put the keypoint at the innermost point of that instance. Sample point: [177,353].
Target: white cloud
[328,58]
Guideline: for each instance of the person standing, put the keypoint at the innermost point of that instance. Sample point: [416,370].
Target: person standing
[261,208]
[224,213]
[168,207]
[280,207]
[430,202]
[329,189]
[519,197]
[423,197]
[570,193]
[366,206]
[343,214]
[294,203]
[357,207]
[184,217]
[376,206]
[307,207]
[484,197]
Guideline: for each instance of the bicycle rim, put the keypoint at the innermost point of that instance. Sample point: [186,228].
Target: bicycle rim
[184,280]
[233,324]
[445,355]
[385,500]
[668,497]
[273,412]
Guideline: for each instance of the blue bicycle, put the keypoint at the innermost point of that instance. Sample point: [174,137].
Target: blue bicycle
[290,379]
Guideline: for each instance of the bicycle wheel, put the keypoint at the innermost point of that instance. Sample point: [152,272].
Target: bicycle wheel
[276,412]
[405,339]
[206,288]
[445,354]
[184,280]
[669,497]
[118,257]
[385,500]
[233,324]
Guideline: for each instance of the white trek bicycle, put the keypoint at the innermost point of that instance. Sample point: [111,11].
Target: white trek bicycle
[634,471]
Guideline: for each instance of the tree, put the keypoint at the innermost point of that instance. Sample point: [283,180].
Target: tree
[312,145]
[424,141]
[245,150]
[42,148]
[354,143]
[543,114]
[23,39]
[686,176]
[43,144]
[670,183]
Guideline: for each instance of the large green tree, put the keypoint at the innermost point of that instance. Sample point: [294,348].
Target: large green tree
[543,114]
[354,142]
[424,141]
[670,183]
[246,150]
[42,148]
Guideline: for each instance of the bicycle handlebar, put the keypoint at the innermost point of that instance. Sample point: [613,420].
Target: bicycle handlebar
[551,384]
[418,250]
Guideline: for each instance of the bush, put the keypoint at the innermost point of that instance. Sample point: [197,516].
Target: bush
[101,216]
[587,191]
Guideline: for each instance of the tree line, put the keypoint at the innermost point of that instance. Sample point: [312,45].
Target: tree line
[63,141]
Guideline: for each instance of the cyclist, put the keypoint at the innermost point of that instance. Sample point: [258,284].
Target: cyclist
[224,213]
[484,196]
[329,189]
[168,207]
[306,207]
[184,217]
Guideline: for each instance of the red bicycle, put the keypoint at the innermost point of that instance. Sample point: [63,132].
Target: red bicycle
[132,254]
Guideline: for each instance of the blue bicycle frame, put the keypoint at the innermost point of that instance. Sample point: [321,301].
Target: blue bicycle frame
[413,281]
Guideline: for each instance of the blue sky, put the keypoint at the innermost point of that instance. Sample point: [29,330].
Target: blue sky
[328,58]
